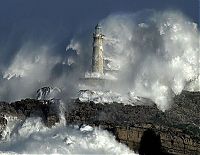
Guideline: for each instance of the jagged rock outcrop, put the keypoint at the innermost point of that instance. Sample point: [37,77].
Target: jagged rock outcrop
[177,128]
[29,108]
[143,128]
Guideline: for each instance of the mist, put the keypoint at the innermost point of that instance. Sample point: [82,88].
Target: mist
[157,53]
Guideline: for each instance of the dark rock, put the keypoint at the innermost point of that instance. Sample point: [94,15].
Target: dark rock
[177,129]
[48,110]
[150,143]
[8,110]
[52,113]
[3,123]
[51,120]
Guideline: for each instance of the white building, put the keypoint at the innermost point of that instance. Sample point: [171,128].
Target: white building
[97,55]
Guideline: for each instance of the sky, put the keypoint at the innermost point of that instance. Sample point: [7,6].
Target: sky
[27,25]
[50,20]
[57,21]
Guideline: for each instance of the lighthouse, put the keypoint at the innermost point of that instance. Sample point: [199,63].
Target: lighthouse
[97,55]
[100,77]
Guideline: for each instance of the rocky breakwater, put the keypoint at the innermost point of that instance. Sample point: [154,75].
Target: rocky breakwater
[144,128]
[20,110]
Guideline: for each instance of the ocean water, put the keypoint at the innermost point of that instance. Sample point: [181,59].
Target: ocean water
[32,137]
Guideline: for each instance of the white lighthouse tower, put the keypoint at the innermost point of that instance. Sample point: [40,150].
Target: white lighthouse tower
[99,78]
[97,55]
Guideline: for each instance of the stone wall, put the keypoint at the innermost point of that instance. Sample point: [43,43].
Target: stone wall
[172,140]
[174,129]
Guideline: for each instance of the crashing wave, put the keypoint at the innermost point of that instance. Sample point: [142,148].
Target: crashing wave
[60,139]
[47,93]
[112,97]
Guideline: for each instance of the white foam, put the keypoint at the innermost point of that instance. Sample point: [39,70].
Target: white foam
[112,97]
[34,138]
[157,57]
